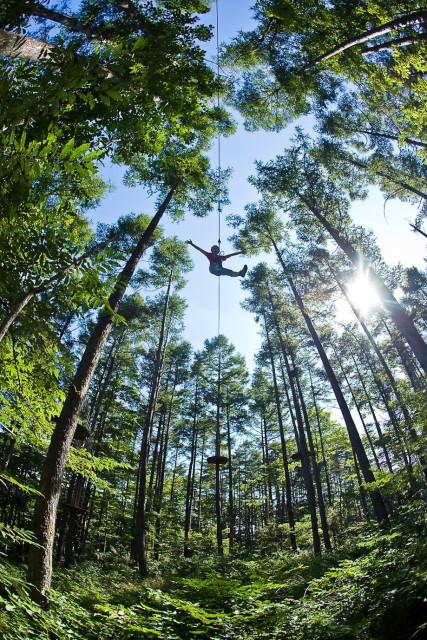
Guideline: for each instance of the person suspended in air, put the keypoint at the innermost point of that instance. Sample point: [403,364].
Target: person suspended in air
[216,260]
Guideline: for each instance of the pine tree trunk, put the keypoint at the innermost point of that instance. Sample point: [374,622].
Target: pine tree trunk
[400,318]
[267,463]
[316,474]
[289,509]
[322,447]
[404,449]
[356,443]
[376,349]
[374,417]
[230,486]
[40,557]
[160,480]
[190,477]
[356,404]
[407,362]
[140,531]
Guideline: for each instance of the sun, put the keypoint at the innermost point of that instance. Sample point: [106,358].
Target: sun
[363,293]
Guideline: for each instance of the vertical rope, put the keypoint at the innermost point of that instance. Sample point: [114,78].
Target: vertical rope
[218,405]
[219,163]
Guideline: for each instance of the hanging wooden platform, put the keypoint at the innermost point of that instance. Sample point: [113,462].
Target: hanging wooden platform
[72,507]
[217,460]
[81,432]
[297,455]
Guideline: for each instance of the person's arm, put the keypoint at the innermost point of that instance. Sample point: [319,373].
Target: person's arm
[230,255]
[205,253]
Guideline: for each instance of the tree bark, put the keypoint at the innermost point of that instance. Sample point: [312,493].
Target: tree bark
[27,48]
[376,349]
[374,416]
[190,476]
[140,531]
[322,447]
[289,509]
[218,506]
[230,486]
[316,474]
[356,442]
[397,42]
[358,409]
[40,558]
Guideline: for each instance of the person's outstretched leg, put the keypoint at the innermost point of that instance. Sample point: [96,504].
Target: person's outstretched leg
[233,274]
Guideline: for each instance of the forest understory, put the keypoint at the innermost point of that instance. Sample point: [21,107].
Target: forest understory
[373,587]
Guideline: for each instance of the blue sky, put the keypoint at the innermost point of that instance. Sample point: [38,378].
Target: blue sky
[390,223]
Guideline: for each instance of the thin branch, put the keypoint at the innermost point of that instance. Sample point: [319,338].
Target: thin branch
[414,18]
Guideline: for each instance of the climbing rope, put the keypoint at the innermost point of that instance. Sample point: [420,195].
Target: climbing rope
[218,163]
[218,416]
[217,459]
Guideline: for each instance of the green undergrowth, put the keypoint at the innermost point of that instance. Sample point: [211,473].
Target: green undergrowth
[378,591]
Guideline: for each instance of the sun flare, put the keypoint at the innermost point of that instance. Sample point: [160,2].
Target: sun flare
[363,293]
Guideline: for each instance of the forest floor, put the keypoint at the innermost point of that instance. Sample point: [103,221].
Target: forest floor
[374,590]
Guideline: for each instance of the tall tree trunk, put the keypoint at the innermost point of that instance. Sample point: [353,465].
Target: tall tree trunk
[199,492]
[375,347]
[322,447]
[358,409]
[40,557]
[400,318]
[316,474]
[230,484]
[289,509]
[407,361]
[374,416]
[404,449]
[356,442]
[301,440]
[190,476]
[267,462]
[361,489]
[160,480]
[140,531]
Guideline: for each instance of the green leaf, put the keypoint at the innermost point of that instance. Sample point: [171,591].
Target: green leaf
[66,149]
[105,99]
[114,94]
[140,43]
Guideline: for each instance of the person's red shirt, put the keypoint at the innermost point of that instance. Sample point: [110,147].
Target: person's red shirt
[214,257]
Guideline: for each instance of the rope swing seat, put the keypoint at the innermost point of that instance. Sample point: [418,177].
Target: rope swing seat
[217,460]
